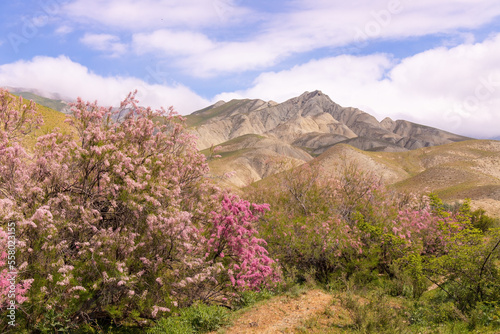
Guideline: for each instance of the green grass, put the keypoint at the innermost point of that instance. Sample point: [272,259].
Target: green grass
[198,318]
[240,139]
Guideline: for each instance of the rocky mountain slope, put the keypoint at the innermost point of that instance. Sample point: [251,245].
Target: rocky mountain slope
[313,122]
[257,137]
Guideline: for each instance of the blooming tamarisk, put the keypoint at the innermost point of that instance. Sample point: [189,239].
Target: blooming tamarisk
[117,219]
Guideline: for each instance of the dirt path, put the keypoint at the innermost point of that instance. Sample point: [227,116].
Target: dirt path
[281,314]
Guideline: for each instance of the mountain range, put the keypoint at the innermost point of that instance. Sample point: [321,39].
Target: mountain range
[311,122]
[257,139]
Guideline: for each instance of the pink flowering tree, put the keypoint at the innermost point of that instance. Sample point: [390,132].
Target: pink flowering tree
[119,223]
[18,118]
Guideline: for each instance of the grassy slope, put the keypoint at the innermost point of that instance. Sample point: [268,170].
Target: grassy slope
[454,171]
[448,169]
[202,116]
[51,119]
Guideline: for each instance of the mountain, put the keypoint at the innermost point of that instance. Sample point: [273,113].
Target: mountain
[258,138]
[312,122]
[455,171]
[51,119]
[54,102]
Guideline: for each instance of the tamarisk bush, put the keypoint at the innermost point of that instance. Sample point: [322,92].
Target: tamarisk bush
[350,225]
[117,221]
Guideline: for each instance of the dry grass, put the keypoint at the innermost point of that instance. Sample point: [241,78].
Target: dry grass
[51,119]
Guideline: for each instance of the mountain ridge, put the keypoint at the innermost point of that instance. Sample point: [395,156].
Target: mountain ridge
[258,139]
[311,120]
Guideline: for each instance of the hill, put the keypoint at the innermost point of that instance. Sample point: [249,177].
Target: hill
[455,171]
[258,139]
[51,119]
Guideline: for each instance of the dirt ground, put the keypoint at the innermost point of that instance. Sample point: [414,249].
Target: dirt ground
[281,314]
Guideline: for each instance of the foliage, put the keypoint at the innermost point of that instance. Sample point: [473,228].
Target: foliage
[197,318]
[485,314]
[375,315]
[349,227]
[120,223]
[482,221]
[249,297]
[470,268]
[343,225]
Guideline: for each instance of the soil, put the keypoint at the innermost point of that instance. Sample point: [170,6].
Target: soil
[281,314]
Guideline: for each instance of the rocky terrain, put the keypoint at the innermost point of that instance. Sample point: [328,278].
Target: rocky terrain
[257,139]
[312,122]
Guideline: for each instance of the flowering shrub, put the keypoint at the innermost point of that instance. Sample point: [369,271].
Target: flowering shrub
[10,290]
[350,225]
[118,221]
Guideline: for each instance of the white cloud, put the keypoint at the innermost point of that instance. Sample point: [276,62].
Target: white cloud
[172,42]
[392,18]
[199,56]
[135,15]
[233,57]
[456,89]
[64,30]
[342,74]
[320,23]
[106,43]
[312,25]
[70,80]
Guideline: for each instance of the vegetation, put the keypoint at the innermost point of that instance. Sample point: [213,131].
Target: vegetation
[118,225]
[117,229]
[350,231]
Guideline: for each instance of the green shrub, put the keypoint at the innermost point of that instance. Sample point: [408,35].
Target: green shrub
[172,325]
[486,314]
[248,298]
[374,316]
[199,318]
[483,222]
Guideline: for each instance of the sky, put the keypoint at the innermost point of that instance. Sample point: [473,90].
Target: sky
[434,62]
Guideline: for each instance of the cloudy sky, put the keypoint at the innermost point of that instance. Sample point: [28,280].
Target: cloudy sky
[435,62]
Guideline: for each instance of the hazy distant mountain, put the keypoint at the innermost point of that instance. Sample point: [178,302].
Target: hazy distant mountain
[53,102]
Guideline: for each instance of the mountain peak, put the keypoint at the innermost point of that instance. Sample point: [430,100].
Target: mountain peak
[218,104]
[310,95]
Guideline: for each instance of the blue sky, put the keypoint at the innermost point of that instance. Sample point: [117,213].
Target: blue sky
[435,62]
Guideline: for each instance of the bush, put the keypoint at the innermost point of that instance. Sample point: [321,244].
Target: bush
[374,316]
[485,314]
[198,318]
[247,298]
[471,268]
[117,221]
[350,225]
